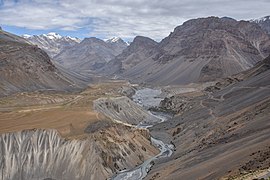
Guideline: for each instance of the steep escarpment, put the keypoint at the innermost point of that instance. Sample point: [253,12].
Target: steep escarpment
[24,67]
[41,154]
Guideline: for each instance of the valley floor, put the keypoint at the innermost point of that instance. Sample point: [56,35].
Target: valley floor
[216,135]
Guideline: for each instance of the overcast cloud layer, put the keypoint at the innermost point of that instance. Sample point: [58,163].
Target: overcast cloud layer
[122,18]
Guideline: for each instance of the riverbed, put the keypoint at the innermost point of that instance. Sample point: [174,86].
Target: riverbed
[147,98]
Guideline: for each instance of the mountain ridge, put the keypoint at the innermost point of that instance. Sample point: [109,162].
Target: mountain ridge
[264,22]
[52,42]
[135,53]
[202,49]
[90,54]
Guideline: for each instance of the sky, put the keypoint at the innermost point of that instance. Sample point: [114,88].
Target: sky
[118,18]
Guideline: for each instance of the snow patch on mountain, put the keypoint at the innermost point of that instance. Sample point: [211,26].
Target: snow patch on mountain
[264,22]
[263,19]
[53,43]
[26,36]
[52,35]
[115,40]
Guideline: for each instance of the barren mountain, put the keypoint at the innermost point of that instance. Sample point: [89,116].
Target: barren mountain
[25,67]
[91,54]
[201,50]
[263,22]
[138,51]
[221,134]
[117,44]
[52,43]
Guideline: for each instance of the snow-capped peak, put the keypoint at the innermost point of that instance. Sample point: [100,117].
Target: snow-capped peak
[74,39]
[52,35]
[26,36]
[261,19]
[113,39]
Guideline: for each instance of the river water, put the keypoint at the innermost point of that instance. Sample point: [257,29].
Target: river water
[147,98]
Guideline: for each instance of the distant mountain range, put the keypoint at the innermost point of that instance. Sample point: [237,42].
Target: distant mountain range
[72,53]
[90,54]
[200,50]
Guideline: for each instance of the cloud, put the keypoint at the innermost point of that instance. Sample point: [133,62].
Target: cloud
[123,18]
